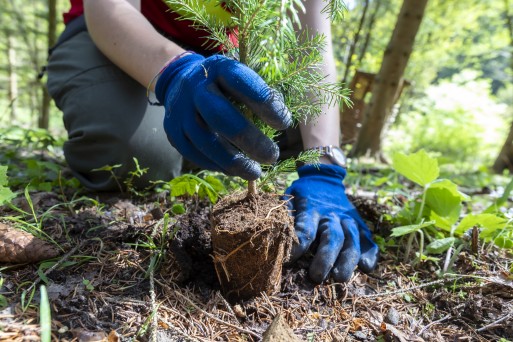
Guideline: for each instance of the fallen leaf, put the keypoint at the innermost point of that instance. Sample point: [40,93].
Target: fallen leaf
[17,246]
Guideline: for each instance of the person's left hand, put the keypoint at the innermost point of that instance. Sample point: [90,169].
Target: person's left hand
[323,212]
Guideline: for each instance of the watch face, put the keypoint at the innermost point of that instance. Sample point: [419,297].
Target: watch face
[338,156]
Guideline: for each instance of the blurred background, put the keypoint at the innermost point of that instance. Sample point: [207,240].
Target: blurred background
[454,97]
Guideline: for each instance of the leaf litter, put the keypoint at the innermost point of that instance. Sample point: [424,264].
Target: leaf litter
[120,279]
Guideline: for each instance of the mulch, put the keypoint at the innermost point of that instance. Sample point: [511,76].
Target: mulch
[147,281]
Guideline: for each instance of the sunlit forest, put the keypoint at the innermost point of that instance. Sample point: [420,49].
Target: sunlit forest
[427,128]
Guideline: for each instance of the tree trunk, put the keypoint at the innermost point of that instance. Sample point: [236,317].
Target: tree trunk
[13,77]
[356,37]
[389,78]
[505,158]
[44,117]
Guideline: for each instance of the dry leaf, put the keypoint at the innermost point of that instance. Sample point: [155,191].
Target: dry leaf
[83,335]
[113,336]
[279,331]
[17,246]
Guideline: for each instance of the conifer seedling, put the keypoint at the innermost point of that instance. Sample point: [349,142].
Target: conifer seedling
[252,232]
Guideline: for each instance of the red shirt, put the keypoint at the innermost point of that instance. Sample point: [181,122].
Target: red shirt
[164,20]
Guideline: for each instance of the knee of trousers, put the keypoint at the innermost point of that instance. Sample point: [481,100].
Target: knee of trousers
[109,126]
[108,120]
[105,131]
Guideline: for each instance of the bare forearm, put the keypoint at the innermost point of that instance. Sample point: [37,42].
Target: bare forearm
[124,35]
[325,129]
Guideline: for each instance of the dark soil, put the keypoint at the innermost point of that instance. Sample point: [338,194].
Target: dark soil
[116,245]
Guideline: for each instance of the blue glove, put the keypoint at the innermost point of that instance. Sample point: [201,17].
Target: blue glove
[203,121]
[322,211]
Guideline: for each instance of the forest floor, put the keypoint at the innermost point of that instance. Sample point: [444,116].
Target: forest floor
[121,276]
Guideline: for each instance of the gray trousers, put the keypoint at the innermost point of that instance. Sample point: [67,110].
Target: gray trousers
[108,119]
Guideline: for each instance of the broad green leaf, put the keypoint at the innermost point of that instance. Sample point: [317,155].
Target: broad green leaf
[445,222]
[486,221]
[183,185]
[440,246]
[418,167]
[6,195]
[450,186]
[445,205]
[404,230]
[206,191]
[491,231]
[216,184]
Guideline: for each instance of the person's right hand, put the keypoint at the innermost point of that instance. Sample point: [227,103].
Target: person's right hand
[203,121]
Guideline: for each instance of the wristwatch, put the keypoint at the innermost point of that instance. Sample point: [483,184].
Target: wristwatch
[334,154]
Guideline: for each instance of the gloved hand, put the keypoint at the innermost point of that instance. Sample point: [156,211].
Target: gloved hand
[322,211]
[202,120]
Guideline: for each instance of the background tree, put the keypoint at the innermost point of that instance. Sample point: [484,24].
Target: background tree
[25,29]
[354,43]
[390,76]
[44,117]
[505,158]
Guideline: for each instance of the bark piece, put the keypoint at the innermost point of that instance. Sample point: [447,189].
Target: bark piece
[279,331]
[251,238]
[17,246]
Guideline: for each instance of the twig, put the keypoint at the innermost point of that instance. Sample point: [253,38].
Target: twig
[433,323]
[177,331]
[408,289]
[226,304]
[495,323]
[57,264]
[217,319]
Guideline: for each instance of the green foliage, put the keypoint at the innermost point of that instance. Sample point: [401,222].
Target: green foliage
[208,187]
[25,301]
[457,119]
[5,193]
[436,211]
[34,158]
[88,284]
[127,184]
[418,167]
[268,42]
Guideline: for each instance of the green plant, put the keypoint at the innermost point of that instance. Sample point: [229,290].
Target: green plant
[128,184]
[3,300]
[435,212]
[25,301]
[269,44]
[205,187]
[45,316]
[88,284]
[6,195]
[157,243]
[138,172]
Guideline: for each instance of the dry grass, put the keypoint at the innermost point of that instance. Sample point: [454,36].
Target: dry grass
[397,302]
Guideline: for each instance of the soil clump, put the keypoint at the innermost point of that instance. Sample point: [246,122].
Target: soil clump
[251,238]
